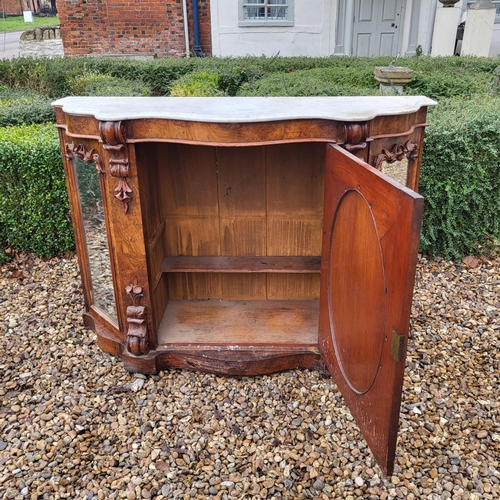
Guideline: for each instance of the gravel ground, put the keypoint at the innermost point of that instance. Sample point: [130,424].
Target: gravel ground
[74,424]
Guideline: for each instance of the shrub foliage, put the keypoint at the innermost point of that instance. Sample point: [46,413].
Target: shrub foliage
[34,211]
[24,106]
[460,171]
[460,177]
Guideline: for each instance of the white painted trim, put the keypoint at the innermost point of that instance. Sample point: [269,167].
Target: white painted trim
[349,27]
[186,27]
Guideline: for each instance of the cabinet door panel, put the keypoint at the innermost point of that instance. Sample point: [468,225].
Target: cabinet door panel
[371,230]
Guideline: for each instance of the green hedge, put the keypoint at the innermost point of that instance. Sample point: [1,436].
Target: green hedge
[460,171]
[460,177]
[317,81]
[24,106]
[97,84]
[435,77]
[34,211]
[203,84]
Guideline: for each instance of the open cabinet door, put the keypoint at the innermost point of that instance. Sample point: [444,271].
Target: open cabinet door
[371,228]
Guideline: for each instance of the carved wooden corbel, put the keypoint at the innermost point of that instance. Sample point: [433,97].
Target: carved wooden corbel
[137,341]
[86,155]
[113,137]
[355,136]
[398,152]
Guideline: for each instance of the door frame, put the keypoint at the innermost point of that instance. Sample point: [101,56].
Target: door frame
[345,29]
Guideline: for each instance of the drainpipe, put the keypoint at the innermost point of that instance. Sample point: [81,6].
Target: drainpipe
[196,23]
[186,27]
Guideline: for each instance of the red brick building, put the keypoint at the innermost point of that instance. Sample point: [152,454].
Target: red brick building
[140,27]
[17,7]
[12,7]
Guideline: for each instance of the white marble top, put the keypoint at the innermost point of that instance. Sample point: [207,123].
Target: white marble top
[242,109]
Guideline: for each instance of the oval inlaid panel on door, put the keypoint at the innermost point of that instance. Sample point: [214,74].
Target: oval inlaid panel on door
[356,291]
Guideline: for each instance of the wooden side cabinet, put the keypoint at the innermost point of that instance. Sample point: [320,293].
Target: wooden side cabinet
[251,235]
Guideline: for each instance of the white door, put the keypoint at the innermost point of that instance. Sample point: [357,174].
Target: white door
[377,25]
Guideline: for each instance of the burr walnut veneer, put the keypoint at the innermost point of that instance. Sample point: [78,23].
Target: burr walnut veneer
[250,235]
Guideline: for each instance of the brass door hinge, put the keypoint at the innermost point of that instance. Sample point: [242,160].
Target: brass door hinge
[397,346]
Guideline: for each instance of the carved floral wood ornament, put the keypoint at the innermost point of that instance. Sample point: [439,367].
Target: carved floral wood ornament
[137,342]
[86,155]
[113,137]
[398,152]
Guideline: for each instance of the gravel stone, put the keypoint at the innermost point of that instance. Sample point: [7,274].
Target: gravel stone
[74,424]
[318,485]
[359,481]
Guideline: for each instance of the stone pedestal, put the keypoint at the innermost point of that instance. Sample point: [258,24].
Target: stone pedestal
[392,78]
[445,31]
[478,29]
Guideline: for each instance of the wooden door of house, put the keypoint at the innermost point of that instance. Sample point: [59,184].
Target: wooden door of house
[371,227]
[377,27]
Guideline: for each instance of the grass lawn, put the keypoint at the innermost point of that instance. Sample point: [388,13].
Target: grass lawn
[16,23]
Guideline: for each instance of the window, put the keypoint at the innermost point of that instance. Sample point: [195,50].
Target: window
[266,13]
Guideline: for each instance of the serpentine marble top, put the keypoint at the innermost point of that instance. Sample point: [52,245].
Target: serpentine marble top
[242,109]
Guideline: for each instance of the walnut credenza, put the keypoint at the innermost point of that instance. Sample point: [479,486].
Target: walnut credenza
[251,235]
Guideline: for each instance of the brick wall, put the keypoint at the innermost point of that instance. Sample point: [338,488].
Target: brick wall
[16,7]
[141,27]
[11,7]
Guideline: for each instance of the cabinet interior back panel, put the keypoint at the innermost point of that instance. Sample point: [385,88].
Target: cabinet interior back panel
[242,201]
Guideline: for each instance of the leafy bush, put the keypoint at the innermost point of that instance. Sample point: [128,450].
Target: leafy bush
[460,169]
[440,84]
[34,211]
[93,83]
[314,82]
[460,177]
[435,77]
[205,84]
[18,106]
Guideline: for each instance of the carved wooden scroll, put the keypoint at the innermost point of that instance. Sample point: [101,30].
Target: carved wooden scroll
[398,152]
[113,137]
[355,136]
[137,342]
[86,155]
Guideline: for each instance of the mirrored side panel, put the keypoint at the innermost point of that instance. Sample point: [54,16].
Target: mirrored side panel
[95,236]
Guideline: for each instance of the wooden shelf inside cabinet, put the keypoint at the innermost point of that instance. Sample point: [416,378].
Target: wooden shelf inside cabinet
[294,264]
[248,235]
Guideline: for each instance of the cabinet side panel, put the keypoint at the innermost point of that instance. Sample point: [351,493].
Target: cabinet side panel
[148,167]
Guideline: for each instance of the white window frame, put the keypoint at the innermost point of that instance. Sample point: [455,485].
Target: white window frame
[265,22]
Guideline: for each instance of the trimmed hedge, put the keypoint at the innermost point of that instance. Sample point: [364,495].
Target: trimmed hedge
[435,77]
[97,84]
[460,170]
[34,210]
[318,82]
[460,177]
[24,106]
[205,84]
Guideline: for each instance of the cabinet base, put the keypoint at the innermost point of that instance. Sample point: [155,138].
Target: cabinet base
[223,359]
